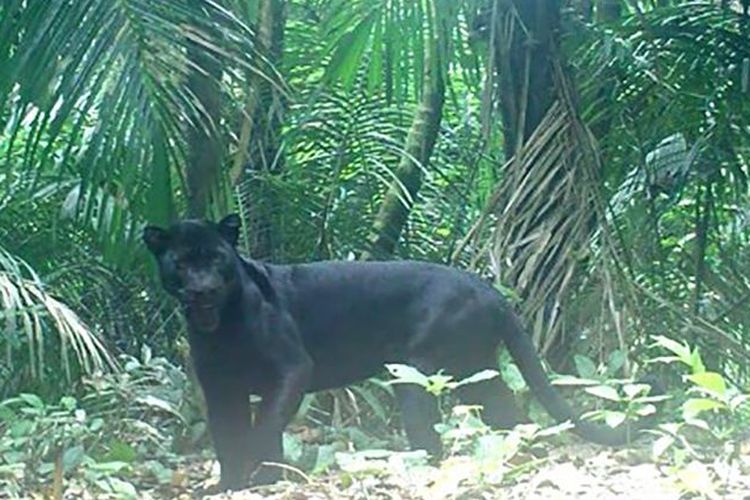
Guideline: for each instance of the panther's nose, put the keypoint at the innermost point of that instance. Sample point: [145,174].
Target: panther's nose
[199,294]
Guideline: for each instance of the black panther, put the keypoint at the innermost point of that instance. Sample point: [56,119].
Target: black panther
[280,331]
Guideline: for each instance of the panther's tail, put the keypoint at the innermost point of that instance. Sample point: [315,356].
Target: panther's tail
[524,354]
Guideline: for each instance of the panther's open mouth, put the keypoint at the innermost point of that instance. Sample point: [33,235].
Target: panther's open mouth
[203,316]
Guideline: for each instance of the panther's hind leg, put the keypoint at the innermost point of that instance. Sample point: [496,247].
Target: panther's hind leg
[494,395]
[420,413]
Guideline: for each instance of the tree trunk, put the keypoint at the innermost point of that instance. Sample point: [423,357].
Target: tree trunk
[608,10]
[525,72]
[420,142]
[204,156]
[259,153]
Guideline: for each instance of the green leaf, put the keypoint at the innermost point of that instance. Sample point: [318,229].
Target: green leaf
[438,383]
[696,362]
[112,467]
[158,403]
[372,400]
[121,451]
[604,392]
[348,54]
[699,423]
[585,367]
[72,458]
[710,381]
[21,428]
[513,377]
[694,407]
[161,473]
[645,410]
[615,361]
[96,424]
[293,447]
[696,478]
[68,403]
[326,458]
[32,400]
[494,447]
[377,50]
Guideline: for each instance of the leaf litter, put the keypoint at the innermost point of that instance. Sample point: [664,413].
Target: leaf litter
[572,471]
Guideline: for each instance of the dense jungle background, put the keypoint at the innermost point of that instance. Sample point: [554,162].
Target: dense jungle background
[588,157]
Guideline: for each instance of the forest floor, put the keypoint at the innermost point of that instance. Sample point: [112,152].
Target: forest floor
[579,470]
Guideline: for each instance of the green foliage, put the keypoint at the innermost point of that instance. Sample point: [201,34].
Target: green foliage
[662,89]
[436,384]
[633,401]
[627,401]
[713,421]
[713,404]
[475,454]
[93,116]
[95,96]
[96,438]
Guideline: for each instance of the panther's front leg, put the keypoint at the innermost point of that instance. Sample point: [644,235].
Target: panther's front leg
[229,422]
[280,403]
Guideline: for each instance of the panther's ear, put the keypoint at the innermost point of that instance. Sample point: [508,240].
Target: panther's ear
[229,227]
[156,239]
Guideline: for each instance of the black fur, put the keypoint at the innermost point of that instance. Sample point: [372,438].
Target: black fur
[281,331]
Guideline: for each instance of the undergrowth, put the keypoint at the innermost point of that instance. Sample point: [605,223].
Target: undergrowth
[134,433]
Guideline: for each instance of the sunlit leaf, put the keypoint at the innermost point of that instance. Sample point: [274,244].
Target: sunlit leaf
[709,381]
[614,418]
[404,374]
[695,406]
[480,376]
[661,445]
[645,410]
[574,381]
[682,351]
[604,392]
[696,477]
[634,390]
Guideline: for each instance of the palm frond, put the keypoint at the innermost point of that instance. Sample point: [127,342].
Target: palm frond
[664,94]
[30,315]
[96,89]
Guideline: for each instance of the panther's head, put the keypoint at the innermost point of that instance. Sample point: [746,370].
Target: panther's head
[198,265]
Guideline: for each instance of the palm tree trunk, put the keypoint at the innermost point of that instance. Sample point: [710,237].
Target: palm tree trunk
[420,141]
[525,72]
[204,156]
[524,61]
[259,152]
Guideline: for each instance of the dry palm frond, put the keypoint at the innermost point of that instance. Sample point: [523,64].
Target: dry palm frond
[547,215]
[26,309]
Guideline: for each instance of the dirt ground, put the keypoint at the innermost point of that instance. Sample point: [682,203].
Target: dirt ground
[576,471]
